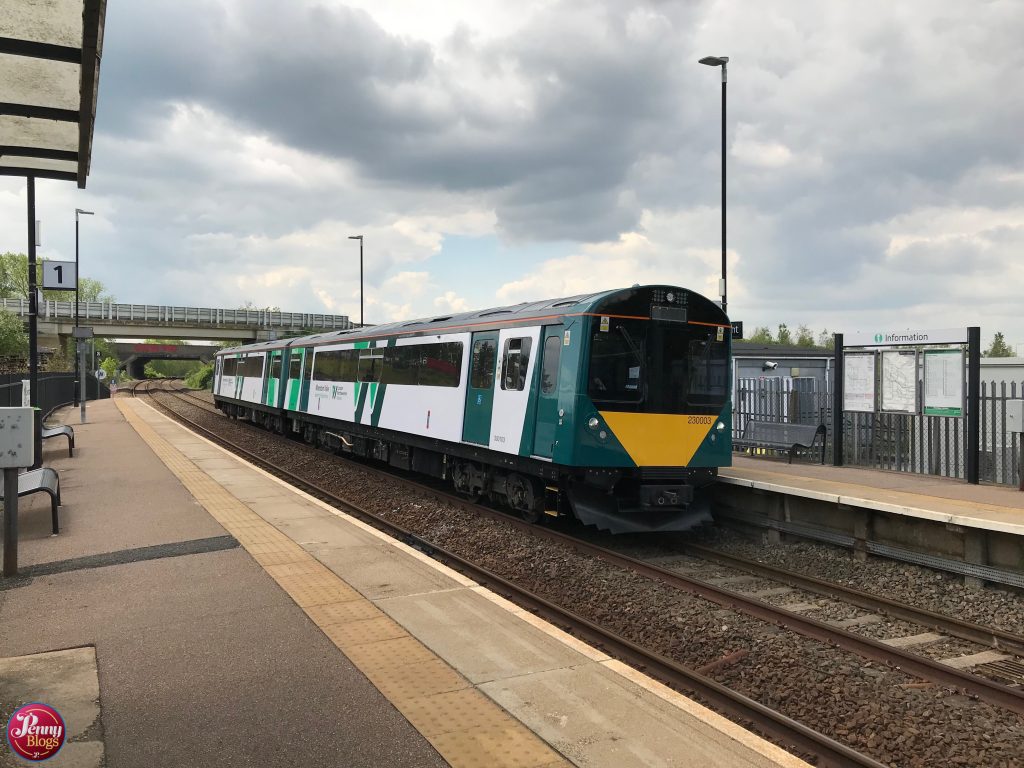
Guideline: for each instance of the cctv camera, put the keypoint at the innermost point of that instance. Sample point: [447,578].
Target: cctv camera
[769,365]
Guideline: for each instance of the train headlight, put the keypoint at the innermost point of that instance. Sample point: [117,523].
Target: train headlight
[721,426]
[593,422]
[603,435]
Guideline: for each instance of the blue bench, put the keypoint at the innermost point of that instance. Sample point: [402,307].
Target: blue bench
[45,480]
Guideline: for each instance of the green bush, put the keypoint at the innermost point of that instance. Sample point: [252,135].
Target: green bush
[201,378]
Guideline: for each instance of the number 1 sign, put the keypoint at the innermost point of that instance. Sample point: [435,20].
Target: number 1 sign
[59,275]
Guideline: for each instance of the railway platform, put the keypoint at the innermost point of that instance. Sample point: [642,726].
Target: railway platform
[976,530]
[221,617]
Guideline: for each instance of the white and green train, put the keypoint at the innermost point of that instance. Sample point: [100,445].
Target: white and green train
[613,406]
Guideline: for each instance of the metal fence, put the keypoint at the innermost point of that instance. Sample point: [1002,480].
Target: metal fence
[55,389]
[153,313]
[902,442]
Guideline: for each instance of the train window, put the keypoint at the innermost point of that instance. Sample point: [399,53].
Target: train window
[308,365]
[229,367]
[440,365]
[401,366]
[295,365]
[549,371]
[335,365]
[515,363]
[371,361]
[709,372]
[482,373]
[617,362]
[275,368]
[251,367]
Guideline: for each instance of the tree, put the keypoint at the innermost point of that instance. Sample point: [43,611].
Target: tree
[826,340]
[804,337]
[13,339]
[785,336]
[761,335]
[14,282]
[999,347]
[109,365]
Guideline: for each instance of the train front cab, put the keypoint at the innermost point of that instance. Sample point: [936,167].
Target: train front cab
[651,416]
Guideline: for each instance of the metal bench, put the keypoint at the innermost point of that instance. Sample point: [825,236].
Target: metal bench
[57,431]
[792,438]
[36,480]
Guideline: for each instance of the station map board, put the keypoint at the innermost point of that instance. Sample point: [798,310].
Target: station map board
[899,381]
[859,381]
[943,382]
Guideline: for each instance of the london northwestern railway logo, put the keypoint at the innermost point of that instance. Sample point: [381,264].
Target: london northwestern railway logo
[36,732]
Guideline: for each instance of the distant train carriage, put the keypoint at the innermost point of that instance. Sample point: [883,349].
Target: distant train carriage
[612,406]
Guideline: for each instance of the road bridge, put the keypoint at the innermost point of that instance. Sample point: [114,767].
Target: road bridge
[133,357]
[146,321]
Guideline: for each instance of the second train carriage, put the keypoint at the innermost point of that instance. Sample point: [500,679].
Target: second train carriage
[612,406]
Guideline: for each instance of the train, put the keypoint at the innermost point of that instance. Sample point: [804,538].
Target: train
[613,407]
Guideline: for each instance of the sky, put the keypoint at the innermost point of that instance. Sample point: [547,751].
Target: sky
[493,152]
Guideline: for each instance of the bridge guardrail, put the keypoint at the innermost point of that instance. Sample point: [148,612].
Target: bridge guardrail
[155,313]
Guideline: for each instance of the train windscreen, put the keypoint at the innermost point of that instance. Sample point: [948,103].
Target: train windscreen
[652,366]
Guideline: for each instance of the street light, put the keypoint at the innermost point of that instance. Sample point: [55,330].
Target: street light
[721,61]
[80,348]
[360,239]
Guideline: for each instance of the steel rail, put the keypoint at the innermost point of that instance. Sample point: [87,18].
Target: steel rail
[950,625]
[866,647]
[769,721]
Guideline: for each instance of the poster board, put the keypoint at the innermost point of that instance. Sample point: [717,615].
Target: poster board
[899,381]
[943,382]
[859,381]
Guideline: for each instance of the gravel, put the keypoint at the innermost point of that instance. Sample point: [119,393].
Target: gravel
[883,712]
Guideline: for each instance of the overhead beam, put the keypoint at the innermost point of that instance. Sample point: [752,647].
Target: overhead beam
[39,173]
[30,48]
[38,152]
[93,14]
[43,113]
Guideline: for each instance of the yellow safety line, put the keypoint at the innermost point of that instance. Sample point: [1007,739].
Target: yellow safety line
[462,724]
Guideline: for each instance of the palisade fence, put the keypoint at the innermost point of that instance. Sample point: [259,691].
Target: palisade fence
[54,389]
[903,442]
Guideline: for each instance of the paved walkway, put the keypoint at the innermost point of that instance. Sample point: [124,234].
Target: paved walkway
[237,621]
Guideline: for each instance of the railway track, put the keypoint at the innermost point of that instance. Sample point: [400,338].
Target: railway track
[740,707]
[737,705]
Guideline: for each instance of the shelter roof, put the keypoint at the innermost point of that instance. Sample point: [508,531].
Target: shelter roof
[49,78]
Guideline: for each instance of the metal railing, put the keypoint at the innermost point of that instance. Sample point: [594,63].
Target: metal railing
[902,442]
[54,389]
[112,312]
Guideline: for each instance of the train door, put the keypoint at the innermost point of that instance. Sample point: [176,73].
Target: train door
[293,388]
[476,427]
[272,381]
[547,393]
[307,376]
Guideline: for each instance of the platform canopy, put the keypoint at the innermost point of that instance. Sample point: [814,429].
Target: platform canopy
[49,77]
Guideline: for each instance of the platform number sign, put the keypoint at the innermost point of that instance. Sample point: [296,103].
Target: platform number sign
[60,275]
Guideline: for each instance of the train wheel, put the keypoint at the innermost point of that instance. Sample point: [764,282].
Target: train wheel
[522,496]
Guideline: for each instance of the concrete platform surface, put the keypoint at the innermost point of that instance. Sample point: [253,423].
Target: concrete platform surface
[997,508]
[67,681]
[307,637]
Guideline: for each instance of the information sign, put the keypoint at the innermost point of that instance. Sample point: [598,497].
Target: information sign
[943,382]
[859,381]
[899,381]
[60,275]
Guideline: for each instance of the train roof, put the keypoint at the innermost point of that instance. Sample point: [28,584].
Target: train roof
[527,310]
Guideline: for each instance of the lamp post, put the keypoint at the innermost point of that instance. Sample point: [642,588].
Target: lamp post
[79,369]
[721,61]
[360,239]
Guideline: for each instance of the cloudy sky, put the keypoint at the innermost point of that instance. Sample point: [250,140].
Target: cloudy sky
[494,152]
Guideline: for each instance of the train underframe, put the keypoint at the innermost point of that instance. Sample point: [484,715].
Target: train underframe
[619,500]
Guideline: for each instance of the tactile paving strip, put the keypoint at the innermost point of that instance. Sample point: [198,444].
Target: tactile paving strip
[463,725]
